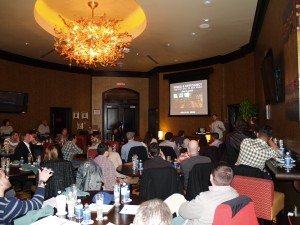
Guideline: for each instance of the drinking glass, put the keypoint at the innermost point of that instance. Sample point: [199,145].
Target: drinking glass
[71,202]
[3,162]
[117,194]
[74,190]
[99,206]
[61,201]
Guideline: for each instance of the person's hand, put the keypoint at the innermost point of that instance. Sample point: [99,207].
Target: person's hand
[45,174]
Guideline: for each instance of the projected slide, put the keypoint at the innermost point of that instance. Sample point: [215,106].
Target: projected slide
[188,98]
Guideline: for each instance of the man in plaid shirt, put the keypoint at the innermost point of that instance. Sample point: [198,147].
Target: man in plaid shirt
[255,152]
[70,148]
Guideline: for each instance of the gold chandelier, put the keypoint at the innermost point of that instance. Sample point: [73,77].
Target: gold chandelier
[90,42]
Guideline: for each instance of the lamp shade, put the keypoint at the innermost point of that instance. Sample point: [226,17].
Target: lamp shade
[160,134]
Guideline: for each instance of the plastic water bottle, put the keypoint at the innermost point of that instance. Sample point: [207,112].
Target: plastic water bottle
[79,209]
[140,166]
[287,159]
[175,164]
[21,161]
[86,213]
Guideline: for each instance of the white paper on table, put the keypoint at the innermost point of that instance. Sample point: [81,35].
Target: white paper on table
[50,220]
[129,209]
[51,202]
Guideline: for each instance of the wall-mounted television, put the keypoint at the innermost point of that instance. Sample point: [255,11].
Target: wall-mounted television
[13,102]
[272,80]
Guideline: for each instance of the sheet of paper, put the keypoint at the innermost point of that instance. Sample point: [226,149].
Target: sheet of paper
[129,209]
[50,220]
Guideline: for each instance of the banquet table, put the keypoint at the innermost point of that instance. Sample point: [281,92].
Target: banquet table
[15,171]
[127,170]
[113,216]
[281,173]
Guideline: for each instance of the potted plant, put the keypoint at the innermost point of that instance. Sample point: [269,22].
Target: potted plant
[247,110]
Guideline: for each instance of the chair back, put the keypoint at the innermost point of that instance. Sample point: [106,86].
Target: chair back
[168,151]
[213,152]
[140,151]
[61,179]
[198,180]
[159,183]
[91,153]
[261,191]
[81,142]
[89,176]
[239,210]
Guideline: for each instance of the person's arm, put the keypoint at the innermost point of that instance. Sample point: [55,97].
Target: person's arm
[77,150]
[15,207]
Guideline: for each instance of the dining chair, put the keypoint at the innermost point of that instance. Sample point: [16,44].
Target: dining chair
[237,211]
[91,153]
[140,151]
[267,202]
[198,180]
[159,183]
[168,151]
[62,177]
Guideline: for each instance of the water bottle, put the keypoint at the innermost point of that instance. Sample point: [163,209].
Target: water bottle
[175,164]
[79,209]
[140,166]
[114,148]
[127,197]
[21,161]
[86,213]
[287,159]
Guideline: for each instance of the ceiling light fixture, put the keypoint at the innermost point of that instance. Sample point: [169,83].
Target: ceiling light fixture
[90,42]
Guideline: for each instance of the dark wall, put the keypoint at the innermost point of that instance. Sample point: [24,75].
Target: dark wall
[45,88]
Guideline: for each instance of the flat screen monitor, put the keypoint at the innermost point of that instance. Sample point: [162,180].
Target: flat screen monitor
[189,98]
[13,102]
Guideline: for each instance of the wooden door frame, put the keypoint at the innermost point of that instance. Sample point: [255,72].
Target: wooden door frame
[105,103]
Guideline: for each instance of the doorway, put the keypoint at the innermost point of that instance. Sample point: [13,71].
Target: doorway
[60,118]
[120,108]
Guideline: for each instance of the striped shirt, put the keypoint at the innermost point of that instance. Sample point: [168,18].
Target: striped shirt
[108,171]
[11,208]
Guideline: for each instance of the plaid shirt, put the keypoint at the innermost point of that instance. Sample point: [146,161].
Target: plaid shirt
[69,150]
[108,171]
[255,153]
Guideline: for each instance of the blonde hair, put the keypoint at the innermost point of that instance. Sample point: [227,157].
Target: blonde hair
[51,153]
[153,212]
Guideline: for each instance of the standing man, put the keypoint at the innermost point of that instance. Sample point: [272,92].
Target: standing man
[12,207]
[217,126]
[23,149]
[255,152]
[195,158]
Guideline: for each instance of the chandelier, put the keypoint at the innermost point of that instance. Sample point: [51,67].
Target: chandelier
[90,42]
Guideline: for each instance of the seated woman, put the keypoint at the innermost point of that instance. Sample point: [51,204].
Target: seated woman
[51,152]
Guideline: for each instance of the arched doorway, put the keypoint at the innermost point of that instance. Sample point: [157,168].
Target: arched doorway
[120,105]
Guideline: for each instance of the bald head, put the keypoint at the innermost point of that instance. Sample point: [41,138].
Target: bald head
[193,148]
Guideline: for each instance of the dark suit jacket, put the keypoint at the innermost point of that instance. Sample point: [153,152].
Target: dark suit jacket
[156,162]
[22,151]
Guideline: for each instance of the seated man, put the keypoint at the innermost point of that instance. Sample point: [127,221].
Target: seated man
[11,143]
[70,148]
[157,158]
[195,158]
[153,212]
[169,142]
[201,209]
[131,143]
[23,149]
[107,167]
[62,138]
[44,130]
[12,207]
[255,152]
[215,140]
